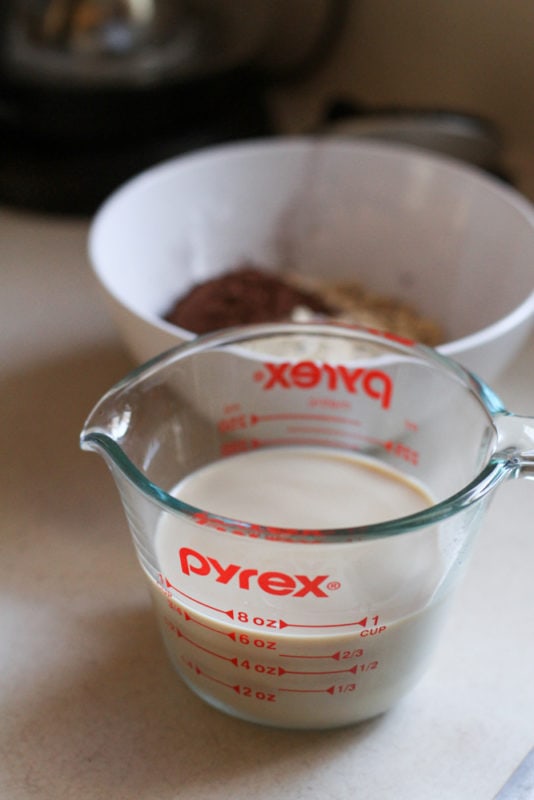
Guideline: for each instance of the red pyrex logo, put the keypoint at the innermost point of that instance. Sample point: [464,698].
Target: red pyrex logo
[278,583]
[310,375]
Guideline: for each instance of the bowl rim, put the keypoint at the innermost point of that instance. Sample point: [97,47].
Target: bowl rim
[510,195]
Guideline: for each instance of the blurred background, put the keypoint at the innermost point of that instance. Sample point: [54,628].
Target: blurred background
[93,91]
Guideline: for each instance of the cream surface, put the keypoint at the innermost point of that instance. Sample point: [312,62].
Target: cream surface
[302,487]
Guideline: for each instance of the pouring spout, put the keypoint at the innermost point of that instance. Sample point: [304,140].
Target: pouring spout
[108,426]
[105,442]
[98,441]
[98,434]
[139,430]
[110,443]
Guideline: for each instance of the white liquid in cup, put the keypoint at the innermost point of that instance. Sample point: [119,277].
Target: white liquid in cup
[298,635]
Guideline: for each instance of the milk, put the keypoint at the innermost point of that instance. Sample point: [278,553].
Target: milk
[291,634]
[303,487]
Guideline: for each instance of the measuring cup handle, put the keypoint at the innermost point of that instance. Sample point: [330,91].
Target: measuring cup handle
[515,443]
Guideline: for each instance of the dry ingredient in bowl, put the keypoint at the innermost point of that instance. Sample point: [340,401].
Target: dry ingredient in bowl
[242,296]
[355,304]
[250,294]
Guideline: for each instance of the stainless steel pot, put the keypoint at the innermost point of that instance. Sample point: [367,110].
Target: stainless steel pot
[93,91]
[87,43]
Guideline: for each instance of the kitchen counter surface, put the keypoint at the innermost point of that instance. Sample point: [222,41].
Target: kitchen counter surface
[89,706]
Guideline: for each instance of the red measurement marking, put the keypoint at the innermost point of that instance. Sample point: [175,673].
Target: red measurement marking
[192,642]
[403,451]
[330,690]
[306,430]
[191,665]
[341,434]
[361,622]
[301,440]
[336,656]
[319,442]
[255,419]
[234,687]
[188,618]
[283,671]
[347,654]
[170,585]
[298,655]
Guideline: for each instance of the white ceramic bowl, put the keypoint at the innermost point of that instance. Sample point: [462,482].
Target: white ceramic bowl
[450,240]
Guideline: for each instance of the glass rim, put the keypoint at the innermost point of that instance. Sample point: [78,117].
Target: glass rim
[489,477]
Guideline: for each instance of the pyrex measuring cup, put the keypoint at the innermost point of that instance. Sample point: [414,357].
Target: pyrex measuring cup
[302,499]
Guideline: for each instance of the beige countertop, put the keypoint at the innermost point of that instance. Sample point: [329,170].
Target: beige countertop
[89,706]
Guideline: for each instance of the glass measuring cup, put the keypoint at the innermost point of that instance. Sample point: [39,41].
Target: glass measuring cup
[293,584]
